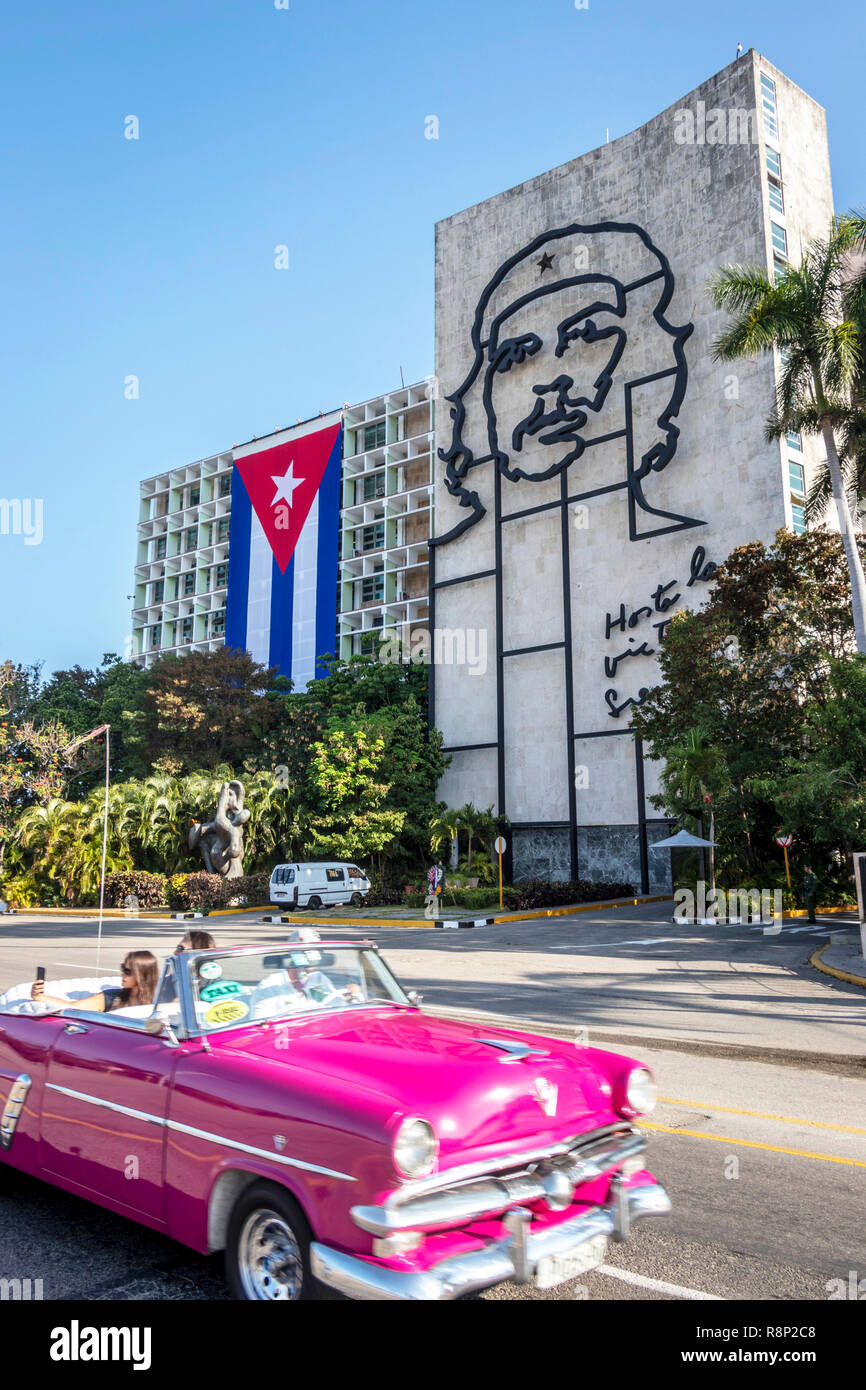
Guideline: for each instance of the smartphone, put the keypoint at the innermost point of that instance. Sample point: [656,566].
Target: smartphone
[40,973]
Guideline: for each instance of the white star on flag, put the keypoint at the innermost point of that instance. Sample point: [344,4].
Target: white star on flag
[286,485]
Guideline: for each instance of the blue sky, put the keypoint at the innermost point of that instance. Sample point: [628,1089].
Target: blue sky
[305,127]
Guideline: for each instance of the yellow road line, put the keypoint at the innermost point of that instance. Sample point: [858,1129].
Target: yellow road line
[760,1115]
[752,1144]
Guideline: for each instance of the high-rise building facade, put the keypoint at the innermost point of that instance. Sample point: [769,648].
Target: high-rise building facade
[595,462]
[355,572]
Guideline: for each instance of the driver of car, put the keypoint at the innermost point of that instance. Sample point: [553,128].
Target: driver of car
[296,987]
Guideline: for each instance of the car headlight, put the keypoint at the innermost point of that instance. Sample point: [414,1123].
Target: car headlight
[641,1091]
[415,1148]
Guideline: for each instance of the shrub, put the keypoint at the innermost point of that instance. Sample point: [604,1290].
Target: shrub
[209,892]
[150,889]
[535,892]
[21,890]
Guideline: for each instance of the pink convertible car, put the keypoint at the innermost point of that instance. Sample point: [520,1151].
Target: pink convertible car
[293,1107]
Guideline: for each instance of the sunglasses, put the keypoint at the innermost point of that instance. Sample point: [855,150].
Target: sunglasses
[125,970]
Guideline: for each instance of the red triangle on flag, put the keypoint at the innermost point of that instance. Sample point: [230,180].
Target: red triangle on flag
[282,483]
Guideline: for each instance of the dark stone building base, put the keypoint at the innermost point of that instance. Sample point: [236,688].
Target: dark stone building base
[608,853]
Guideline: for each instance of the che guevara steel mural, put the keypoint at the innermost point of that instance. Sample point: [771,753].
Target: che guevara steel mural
[559,401]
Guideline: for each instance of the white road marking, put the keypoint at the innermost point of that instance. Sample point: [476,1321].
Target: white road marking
[657,1285]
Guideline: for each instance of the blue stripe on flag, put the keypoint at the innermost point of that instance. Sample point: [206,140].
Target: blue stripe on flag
[327,566]
[282,605]
[239,564]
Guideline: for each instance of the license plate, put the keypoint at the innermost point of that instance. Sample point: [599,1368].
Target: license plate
[557,1269]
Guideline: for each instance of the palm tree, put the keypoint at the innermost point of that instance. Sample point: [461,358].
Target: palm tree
[816,316]
[468,818]
[693,768]
[444,830]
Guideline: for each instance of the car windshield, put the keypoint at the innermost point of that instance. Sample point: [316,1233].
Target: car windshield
[287,982]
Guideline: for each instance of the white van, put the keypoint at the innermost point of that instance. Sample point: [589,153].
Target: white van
[318,885]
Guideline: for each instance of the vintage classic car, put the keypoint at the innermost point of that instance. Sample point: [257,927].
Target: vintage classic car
[292,1106]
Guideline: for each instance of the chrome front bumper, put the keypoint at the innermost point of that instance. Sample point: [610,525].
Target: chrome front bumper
[516,1256]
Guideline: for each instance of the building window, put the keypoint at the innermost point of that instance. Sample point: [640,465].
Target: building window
[189,582]
[798,518]
[154,637]
[373,537]
[158,591]
[797,477]
[794,440]
[374,435]
[780,239]
[374,486]
[777,202]
[218,623]
[780,270]
[191,538]
[194,496]
[219,576]
[373,588]
[784,355]
[225,484]
[160,548]
[223,529]
[186,630]
[774,163]
[369,644]
[768,104]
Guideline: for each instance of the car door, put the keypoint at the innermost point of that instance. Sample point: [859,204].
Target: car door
[105,1108]
[336,885]
[25,1047]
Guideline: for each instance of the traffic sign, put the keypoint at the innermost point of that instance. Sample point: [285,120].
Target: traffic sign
[784,841]
[499,845]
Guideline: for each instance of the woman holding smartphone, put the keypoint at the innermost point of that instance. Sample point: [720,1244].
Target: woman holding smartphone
[140,973]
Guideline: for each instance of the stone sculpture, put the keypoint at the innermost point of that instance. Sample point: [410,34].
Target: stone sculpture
[221,840]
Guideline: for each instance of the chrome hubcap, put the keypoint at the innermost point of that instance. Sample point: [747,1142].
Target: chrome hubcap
[269,1257]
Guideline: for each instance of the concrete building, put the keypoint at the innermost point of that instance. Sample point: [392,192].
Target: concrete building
[385,522]
[594,461]
[181,574]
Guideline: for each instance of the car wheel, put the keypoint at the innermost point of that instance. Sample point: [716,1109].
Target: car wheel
[357,899]
[268,1248]
[315,903]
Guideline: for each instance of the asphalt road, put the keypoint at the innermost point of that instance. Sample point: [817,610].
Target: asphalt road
[765,1161]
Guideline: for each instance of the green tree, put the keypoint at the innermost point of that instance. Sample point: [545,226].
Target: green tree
[207,708]
[349,818]
[814,314]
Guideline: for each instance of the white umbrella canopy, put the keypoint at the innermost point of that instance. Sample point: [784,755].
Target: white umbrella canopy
[683,840]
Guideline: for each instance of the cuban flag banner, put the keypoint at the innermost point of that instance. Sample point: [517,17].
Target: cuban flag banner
[282,584]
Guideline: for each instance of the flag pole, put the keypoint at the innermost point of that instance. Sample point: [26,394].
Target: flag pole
[104,849]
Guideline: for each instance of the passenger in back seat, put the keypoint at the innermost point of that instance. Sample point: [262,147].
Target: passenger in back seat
[140,973]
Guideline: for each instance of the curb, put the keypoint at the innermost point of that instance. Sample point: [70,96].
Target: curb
[468,922]
[815,959]
[186,916]
[300,919]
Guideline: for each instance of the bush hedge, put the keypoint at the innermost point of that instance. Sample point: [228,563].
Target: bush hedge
[209,892]
[150,889]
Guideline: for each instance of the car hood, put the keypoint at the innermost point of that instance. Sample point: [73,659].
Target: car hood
[443,1070]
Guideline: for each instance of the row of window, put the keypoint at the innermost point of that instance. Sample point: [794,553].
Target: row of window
[779,239]
[182,631]
[218,531]
[218,577]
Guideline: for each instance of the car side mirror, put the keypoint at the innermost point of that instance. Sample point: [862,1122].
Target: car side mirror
[414,998]
[161,1028]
